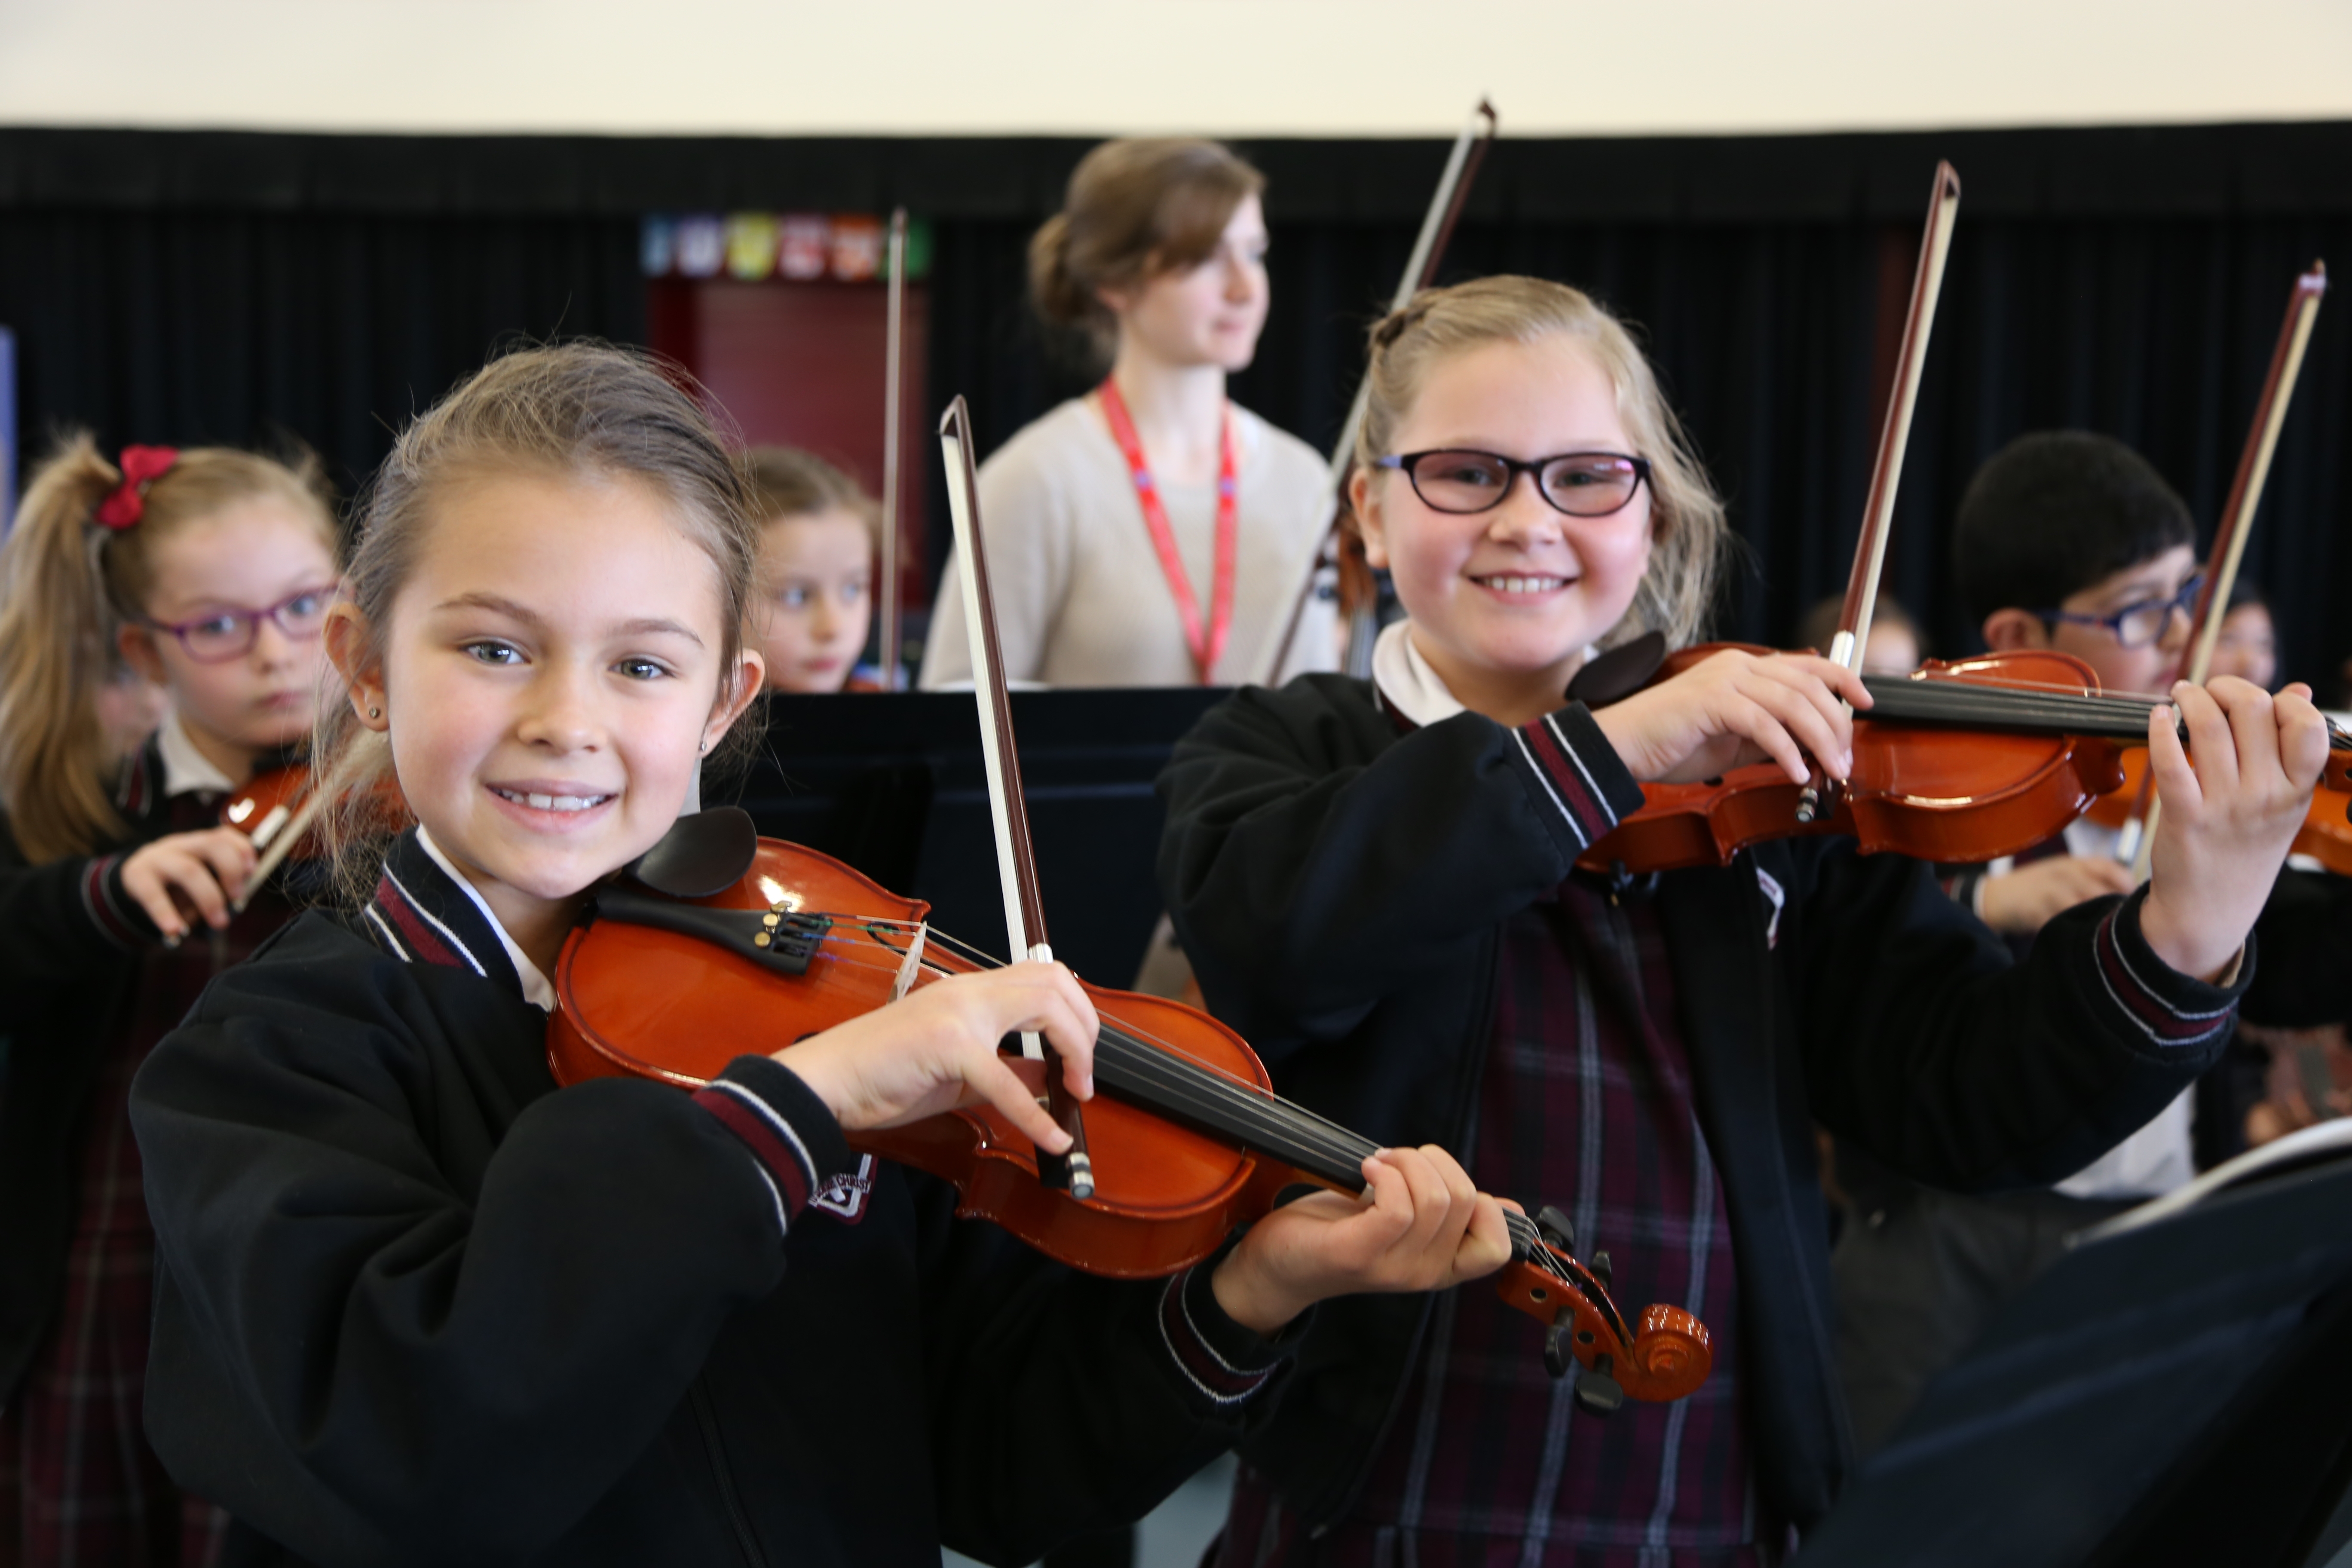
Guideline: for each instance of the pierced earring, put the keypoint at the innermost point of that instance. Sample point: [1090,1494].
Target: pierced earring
[375,712]
[706,748]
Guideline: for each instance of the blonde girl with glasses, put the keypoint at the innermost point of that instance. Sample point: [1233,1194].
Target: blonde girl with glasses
[208,572]
[1377,882]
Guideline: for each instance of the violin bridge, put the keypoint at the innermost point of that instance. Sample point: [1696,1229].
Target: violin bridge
[913,964]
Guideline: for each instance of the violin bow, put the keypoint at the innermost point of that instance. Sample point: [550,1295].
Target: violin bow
[2137,842]
[892,416]
[1886,473]
[1008,809]
[1419,270]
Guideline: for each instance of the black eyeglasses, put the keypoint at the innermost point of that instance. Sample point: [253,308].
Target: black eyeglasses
[2137,624]
[1582,484]
[226,635]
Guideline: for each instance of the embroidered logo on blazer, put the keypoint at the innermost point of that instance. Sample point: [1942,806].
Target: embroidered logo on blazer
[845,1197]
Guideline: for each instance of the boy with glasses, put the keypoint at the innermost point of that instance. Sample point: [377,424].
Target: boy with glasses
[2069,540]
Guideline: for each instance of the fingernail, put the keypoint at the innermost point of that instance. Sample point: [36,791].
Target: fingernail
[170,939]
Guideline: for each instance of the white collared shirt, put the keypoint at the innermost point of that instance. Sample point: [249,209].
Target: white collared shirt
[535,988]
[186,771]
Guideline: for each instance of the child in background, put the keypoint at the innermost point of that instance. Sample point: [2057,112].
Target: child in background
[1894,647]
[817,542]
[1375,883]
[2247,645]
[418,1305]
[208,574]
[2071,541]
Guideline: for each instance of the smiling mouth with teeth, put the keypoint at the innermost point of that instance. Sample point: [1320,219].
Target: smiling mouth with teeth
[550,802]
[1522,584]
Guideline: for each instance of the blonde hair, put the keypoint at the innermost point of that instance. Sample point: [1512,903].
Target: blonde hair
[66,585]
[1134,210]
[1688,534]
[791,483]
[574,410]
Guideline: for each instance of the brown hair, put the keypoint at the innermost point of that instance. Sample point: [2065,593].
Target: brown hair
[1819,625]
[791,483]
[66,583]
[1688,534]
[579,409]
[1135,209]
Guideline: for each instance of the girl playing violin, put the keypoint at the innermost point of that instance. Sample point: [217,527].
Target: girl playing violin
[206,572]
[417,1305]
[1374,881]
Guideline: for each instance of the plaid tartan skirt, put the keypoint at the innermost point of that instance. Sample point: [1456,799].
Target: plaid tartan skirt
[79,1486]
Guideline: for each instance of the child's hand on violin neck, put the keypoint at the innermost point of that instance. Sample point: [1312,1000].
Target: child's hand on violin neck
[935,1050]
[1737,708]
[2231,806]
[202,871]
[1420,1225]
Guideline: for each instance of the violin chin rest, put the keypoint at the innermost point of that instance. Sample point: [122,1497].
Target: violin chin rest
[1620,672]
[705,853]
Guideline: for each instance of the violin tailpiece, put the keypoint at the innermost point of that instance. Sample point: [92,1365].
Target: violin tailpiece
[774,939]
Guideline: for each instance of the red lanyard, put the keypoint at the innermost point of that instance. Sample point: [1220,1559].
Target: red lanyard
[1208,644]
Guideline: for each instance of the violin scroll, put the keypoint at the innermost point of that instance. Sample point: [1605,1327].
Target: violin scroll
[1667,1357]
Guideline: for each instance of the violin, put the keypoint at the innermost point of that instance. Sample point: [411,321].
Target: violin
[278,811]
[1959,761]
[672,977]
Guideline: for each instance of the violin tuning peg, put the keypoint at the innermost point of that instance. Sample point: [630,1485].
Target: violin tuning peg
[1598,1264]
[1556,1355]
[1556,1228]
[1597,1392]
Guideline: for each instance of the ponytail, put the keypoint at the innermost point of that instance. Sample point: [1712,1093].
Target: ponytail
[1060,297]
[1134,210]
[55,626]
[81,563]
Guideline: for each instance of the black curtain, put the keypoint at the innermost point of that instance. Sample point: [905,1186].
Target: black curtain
[257,329]
[223,287]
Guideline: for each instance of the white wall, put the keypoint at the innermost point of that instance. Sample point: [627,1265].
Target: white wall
[1224,67]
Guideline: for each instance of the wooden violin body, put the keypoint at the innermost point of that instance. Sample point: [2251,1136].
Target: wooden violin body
[267,803]
[1188,1141]
[1930,791]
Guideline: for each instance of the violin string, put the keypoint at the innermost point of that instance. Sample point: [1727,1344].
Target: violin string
[1997,701]
[1225,1100]
[1212,1095]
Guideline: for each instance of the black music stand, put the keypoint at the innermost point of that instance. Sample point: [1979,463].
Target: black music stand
[892,783]
[2174,1392]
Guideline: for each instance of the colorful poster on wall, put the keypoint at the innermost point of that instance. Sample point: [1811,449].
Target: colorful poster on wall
[856,248]
[750,245]
[701,245]
[807,249]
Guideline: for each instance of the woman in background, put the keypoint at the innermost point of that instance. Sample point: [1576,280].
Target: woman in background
[1145,534]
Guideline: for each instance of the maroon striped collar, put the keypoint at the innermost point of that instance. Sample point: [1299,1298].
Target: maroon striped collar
[419,916]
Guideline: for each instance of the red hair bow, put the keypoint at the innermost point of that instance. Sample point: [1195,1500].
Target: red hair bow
[127,502]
